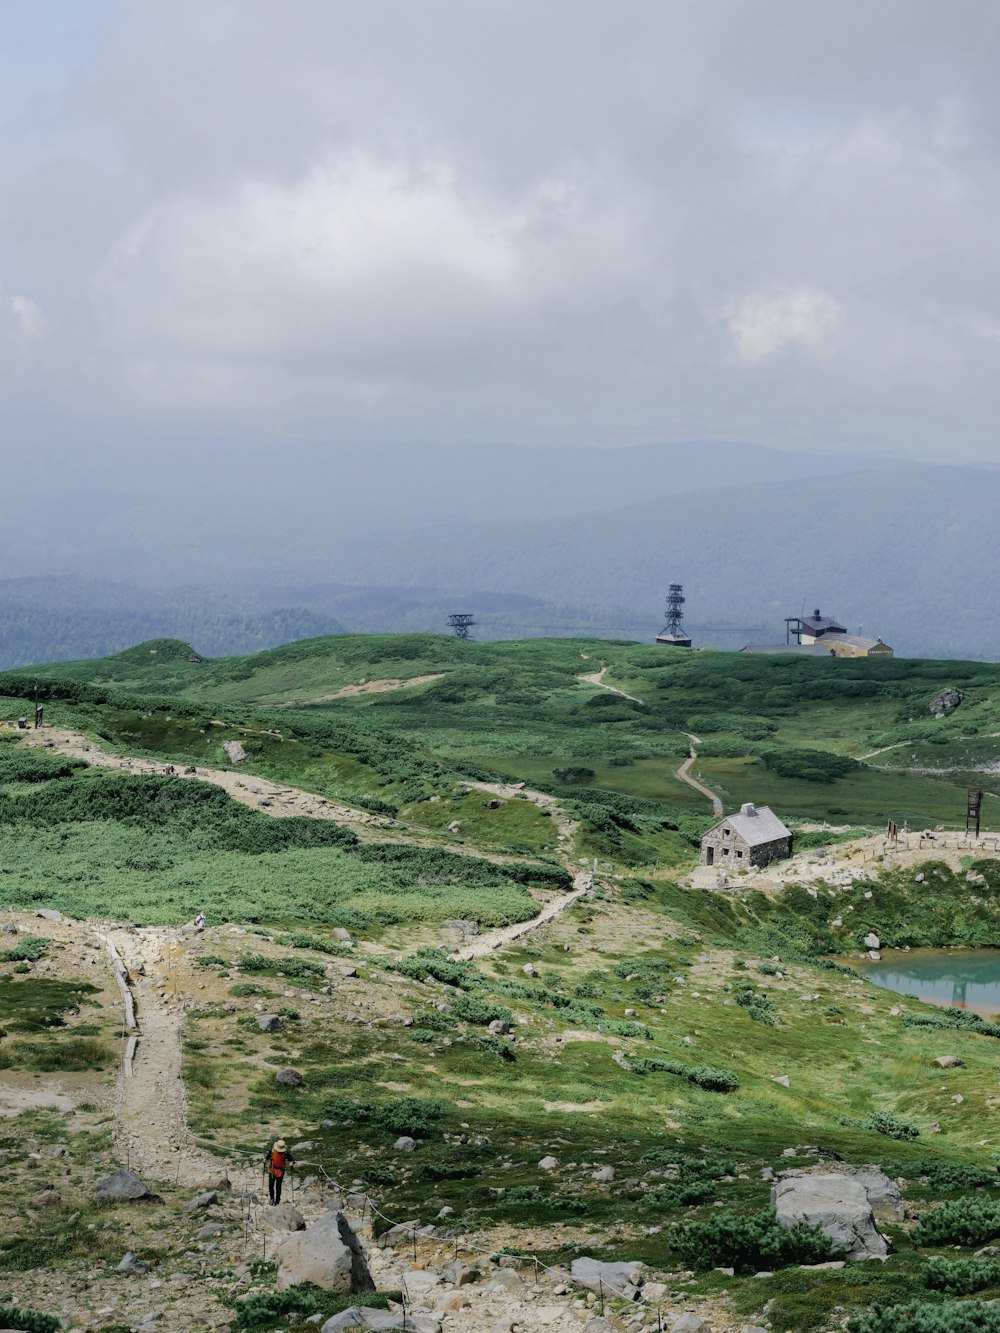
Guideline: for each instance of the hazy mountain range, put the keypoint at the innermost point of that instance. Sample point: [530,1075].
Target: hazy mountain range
[235,549]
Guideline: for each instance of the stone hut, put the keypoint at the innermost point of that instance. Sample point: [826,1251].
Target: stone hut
[754,837]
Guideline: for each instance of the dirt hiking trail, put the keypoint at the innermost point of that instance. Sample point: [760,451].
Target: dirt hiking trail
[362,687]
[684,774]
[152,1137]
[597,678]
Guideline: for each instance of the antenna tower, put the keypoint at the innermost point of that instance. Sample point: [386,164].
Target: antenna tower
[461,624]
[675,600]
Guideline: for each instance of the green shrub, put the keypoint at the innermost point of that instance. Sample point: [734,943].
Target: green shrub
[749,1242]
[474,1010]
[963,1019]
[28,1321]
[884,1122]
[945,1176]
[759,1007]
[265,1309]
[917,1317]
[433,963]
[289,967]
[963,1277]
[964,1221]
[27,950]
[809,765]
[713,1080]
[404,1115]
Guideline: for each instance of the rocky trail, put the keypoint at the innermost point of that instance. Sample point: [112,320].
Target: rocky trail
[151,1128]
[362,687]
[597,678]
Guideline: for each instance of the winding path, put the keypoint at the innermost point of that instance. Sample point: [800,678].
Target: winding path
[597,678]
[492,940]
[684,774]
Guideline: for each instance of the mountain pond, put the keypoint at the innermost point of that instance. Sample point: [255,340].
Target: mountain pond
[963,978]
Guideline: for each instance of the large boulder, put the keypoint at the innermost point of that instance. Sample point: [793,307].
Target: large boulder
[282,1218]
[622,1279]
[327,1254]
[235,752]
[839,1205]
[124,1187]
[883,1193]
[946,702]
[380,1321]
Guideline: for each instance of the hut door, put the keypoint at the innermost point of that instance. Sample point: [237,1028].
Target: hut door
[711,856]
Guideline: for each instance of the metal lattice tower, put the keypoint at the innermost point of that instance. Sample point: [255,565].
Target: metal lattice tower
[461,624]
[675,600]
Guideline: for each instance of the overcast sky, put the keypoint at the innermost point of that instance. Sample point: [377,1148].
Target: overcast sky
[534,221]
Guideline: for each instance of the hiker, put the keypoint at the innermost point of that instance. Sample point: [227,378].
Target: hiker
[200,920]
[278,1161]
[39,712]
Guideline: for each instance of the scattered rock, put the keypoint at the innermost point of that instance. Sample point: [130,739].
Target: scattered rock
[235,752]
[987,1252]
[463,927]
[548,1163]
[883,1193]
[624,1279]
[341,935]
[872,941]
[530,970]
[838,1204]
[270,1022]
[124,1187]
[598,1326]
[404,1143]
[690,1323]
[204,1200]
[289,1078]
[946,702]
[130,1264]
[947,1061]
[283,1217]
[47,1199]
[603,1174]
[327,1254]
[783,1079]
[402,1231]
[381,1321]
[50,914]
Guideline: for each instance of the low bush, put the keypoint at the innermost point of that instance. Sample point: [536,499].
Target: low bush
[884,1122]
[749,1242]
[964,1221]
[963,1019]
[963,1277]
[945,1176]
[713,1080]
[918,1317]
[471,1009]
[289,967]
[404,1115]
[758,1006]
[28,950]
[28,1321]
[809,765]
[433,963]
[265,1309]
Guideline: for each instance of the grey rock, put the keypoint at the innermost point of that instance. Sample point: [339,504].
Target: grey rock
[623,1279]
[987,1252]
[327,1254]
[690,1323]
[839,1205]
[270,1022]
[282,1218]
[123,1187]
[235,752]
[209,1231]
[49,914]
[380,1321]
[783,1079]
[204,1200]
[883,1193]
[401,1233]
[947,1061]
[598,1326]
[504,1279]
[499,1027]
[130,1264]
[603,1174]
[404,1143]
[872,941]
[460,1275]
[464,927]
[946,702]
[289,1078]
[305,1146]
[530,970]
[548,1163]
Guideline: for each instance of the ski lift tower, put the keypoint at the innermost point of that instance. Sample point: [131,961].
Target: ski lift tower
[461,624]
[673,635]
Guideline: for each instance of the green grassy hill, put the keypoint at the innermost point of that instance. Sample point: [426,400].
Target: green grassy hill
[708,998]
[520,710]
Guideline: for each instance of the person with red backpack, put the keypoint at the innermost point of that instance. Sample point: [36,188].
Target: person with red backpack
[278,1160]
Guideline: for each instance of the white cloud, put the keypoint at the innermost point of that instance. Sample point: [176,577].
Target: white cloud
[977,325]
[28,315]
[763,322]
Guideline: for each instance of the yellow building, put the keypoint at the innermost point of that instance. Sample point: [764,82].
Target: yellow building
[853,645]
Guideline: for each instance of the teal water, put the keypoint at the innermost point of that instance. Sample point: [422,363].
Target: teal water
[965,978]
